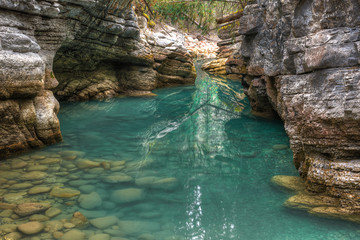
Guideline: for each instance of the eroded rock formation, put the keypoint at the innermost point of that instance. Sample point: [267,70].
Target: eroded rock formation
[79,50]
[301,59]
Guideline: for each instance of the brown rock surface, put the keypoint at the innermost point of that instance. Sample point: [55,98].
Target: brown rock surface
[26,209]
[301,60]
[95,52]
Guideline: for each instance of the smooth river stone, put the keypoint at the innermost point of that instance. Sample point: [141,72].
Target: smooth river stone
[134,228]
[49,161]
[104,222]
[101,236]
[127,195]
[165,184]
[118,178]
[85,163]
[37,168]
[77,183]
[39,189]
[90,201]
[73,235]
[53,226]
[72,153]
[6,213]
[21,185]
[96,170]
[13,197]
[38,217]
[26,209]
[18,164]
[13,236]
[146,181]
[34,175]
[10,174]
[64,192]
[31,227]
[52,212]
[87,188]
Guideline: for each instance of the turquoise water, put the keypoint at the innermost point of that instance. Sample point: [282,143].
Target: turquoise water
[215,159]
[205,137]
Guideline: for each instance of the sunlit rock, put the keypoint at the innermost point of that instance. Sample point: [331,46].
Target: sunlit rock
[104,222]
[73,234]
[26,209]
[31,227]
[294,183]
[64,192]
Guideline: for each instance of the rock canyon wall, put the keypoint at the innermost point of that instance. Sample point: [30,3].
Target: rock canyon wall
[300,60]
[77,50]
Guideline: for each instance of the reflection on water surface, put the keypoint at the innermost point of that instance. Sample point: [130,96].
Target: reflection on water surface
[191,163]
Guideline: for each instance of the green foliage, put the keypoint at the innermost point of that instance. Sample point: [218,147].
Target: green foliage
[201,13]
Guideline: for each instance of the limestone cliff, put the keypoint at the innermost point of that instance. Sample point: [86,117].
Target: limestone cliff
[301,59]
[79,50]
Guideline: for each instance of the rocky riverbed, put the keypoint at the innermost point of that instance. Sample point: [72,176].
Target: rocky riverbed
[55,195]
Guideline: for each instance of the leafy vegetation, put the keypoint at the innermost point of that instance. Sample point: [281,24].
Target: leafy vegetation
[188,13]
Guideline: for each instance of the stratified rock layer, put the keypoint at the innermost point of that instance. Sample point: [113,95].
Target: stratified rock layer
[99,49]
[301,59]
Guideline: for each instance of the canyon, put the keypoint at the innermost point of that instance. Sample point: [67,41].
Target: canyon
[298,60]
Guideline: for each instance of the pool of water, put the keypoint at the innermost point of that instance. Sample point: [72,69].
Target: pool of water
[190,163]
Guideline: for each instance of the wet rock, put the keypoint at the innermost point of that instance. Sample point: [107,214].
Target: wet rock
[18,164]
[49,161]
[31,228]
[146,236]
[57,235]
[104,222]
[165,184]
[93,213]
[13,236]
[118,178]
[39,189]
[18,186]
[7,205]
[127,195]
[294,183]
[307,201]
[52,212]
[133,228]
[34,175]
[6,213]
[71,153]
[53,226]
[90,201]
[280,147]
[64,192]
[69,225]
[26,209]
[85,163]
[108,205]
[335,212]
[37,168]
[73,234]
[77,183]
[38,217]
[14,197]
[101,236]
[87,188]
[146,181]
[10,174]
[8,228]
[79,220]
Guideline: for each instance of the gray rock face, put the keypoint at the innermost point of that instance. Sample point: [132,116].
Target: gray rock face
[303,62]
[78,50]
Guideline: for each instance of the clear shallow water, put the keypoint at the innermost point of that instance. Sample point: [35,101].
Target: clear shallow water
[216,156]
